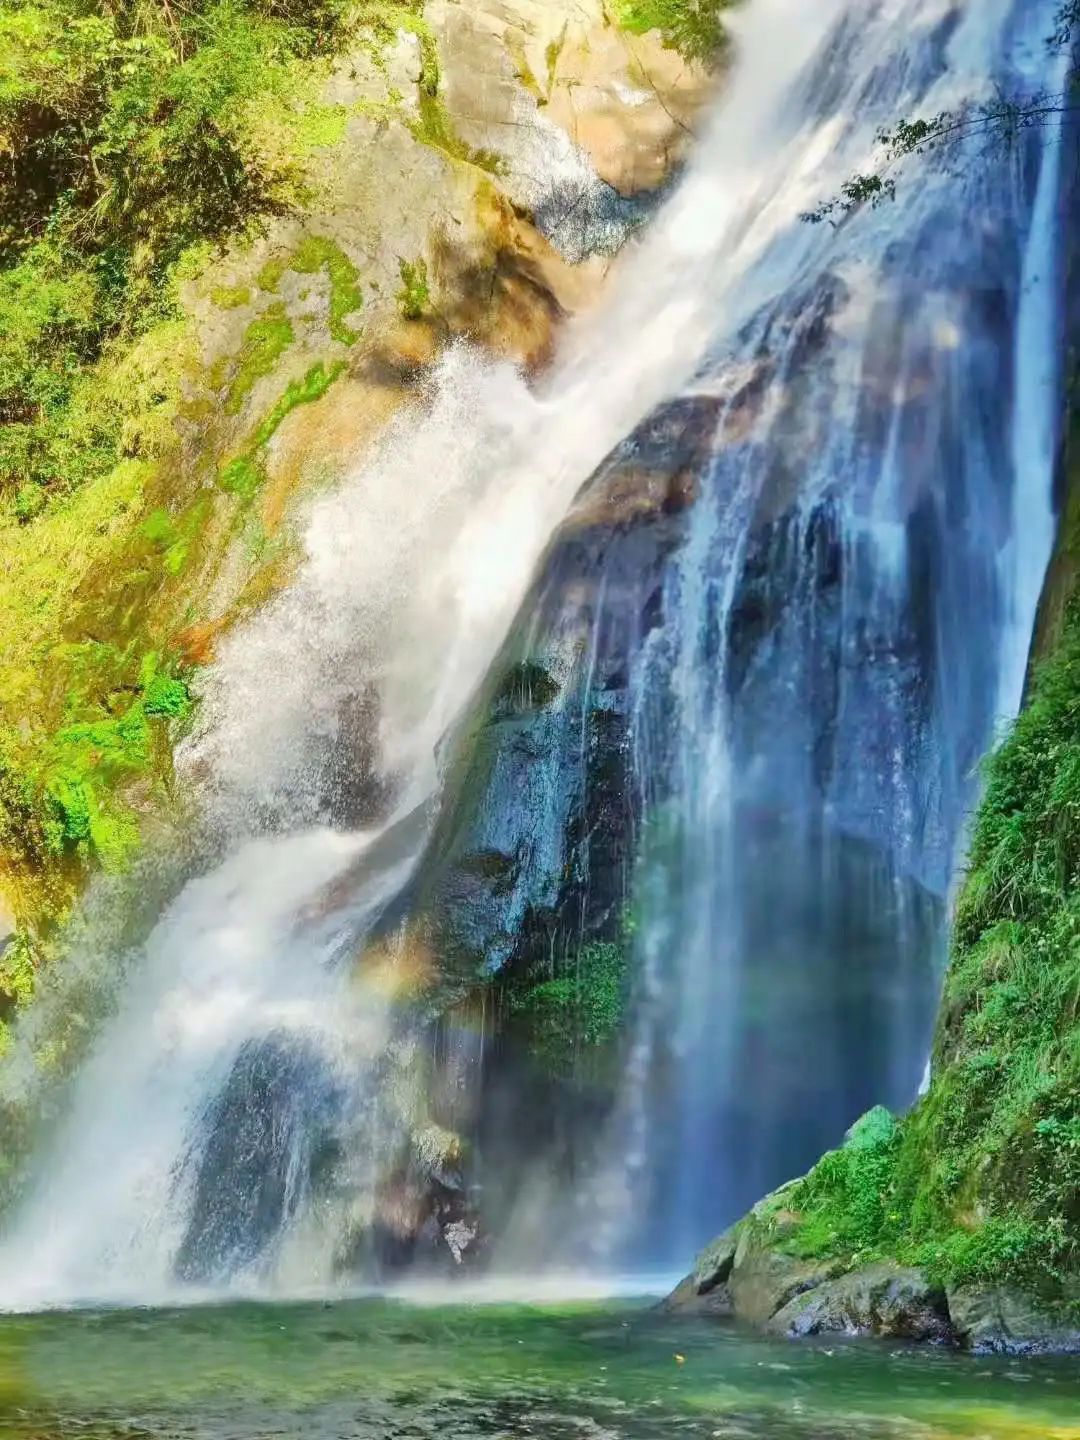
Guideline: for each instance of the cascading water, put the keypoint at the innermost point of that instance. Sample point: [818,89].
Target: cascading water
[847,622]
[826,672]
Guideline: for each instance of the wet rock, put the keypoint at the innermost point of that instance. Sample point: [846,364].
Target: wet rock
[763,1280]
[460,1237]
[714,1265]
[686,1299]
[1004,1320]
[881,1299]
[265,1137]
[438,1153]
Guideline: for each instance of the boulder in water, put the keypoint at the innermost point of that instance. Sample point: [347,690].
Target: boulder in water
[884,1299]
[1001,1319]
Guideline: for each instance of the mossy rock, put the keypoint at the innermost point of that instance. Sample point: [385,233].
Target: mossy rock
[883,1299]
[1005,1320]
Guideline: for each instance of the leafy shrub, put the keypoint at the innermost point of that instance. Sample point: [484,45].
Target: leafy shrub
[579,1008]
[694,28]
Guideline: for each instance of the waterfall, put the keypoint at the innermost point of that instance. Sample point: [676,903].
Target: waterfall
[237,1119]
[845,629]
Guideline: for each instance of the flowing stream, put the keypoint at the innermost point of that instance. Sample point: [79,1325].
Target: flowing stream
[844,624]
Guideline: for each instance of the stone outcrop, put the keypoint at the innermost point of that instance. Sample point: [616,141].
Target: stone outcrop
[454,185]
[882,1299]
[1004,1320]
[746,1275]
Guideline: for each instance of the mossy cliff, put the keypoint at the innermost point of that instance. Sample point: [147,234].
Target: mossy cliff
[960,1220]
[231,237]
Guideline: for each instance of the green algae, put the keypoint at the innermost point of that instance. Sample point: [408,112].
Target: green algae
[377,1368]
[315,253]
[414,297]
[265,341]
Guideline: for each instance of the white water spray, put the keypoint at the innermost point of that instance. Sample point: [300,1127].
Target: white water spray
[414,570]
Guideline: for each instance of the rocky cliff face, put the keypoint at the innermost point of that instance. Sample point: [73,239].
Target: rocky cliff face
[467,173]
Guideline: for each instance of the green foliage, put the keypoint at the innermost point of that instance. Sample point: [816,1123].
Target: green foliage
[137,140]
[844,1199]
[66,792]
[414,297]
[695,28]
[990,125]
[16,972]
[133,135]
[578,1008]
[305,391]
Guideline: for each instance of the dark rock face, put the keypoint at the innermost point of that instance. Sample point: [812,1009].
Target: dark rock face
[530,856]
[881,1299]
[532,849]
[267,1133]
[1003,1320]
[794,1297]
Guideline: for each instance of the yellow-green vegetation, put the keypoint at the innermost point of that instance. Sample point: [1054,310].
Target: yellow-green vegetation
[315,253]
[981,1181]
[265,341]
[436,128]
[243,475]
[414,297]
[230,297]
[137,140]
[577,1009]
[695,28]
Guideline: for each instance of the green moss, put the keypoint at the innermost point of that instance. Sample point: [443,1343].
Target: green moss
[265,341]
[385,19]
[315,253]
[577,1009]
[980,1181]
[414,297]
[176,538]
[311,387]
[524,71]
[245,475]
[322,126]
[230,297]
[272,272]
[435,128]
[694,28]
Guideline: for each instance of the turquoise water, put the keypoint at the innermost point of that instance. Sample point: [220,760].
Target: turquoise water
[382,1368]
